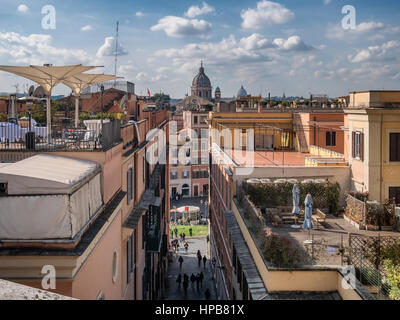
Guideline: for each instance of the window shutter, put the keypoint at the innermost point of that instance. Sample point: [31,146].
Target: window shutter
[353,144]
[133,184]
[129,258]
[362,146]
[128,186]
[398,146]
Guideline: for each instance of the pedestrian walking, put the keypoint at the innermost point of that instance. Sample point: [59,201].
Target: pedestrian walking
[199,258]
[176,232]
[179,280]
[192,279]
[204,261]
[208,238]
[198,282]
[180,262]
[183,236]
[191,232]
[185,278]
[207,294]
[201,277]
[185,286]
[172,234]
[186,246]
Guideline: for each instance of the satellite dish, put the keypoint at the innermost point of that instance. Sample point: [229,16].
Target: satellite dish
[31,91]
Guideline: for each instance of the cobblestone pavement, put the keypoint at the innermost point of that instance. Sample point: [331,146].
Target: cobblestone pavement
[189,266]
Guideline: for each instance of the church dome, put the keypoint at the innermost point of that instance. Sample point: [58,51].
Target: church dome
[201,80]
[242,92]
[217,89]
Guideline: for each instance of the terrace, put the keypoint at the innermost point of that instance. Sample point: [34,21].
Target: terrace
[335,242]
[94,135]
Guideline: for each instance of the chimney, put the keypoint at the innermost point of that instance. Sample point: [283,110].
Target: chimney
[219,107]
[260,108]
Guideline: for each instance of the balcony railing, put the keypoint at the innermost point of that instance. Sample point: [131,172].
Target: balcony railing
[95,136]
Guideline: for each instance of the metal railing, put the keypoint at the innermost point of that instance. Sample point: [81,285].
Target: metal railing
[96,136]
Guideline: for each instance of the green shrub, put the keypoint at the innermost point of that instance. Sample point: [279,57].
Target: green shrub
[272,195]
[280,251]
[392,272]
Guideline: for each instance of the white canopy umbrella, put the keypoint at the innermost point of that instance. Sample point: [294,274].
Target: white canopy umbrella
[47,77]
[81,81]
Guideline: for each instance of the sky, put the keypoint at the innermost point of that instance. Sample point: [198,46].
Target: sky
[291,46]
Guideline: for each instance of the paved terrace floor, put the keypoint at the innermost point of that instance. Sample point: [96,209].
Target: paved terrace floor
[268,158]
[328,238]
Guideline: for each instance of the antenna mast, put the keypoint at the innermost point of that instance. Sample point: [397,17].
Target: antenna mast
[116,53]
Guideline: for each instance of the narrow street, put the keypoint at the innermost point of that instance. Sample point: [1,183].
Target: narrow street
[189,266]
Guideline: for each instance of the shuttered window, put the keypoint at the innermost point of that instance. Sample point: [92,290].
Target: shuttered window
[394,193]
[394,147]
[330,139]
[358,145]
[130,185]
[131,256]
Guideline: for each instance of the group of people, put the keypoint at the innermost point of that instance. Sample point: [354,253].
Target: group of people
[198,279]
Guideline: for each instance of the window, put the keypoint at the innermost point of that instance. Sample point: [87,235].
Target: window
[3,188]
[243,139]
[174,175]
[115,266]
[204,160]
[144,169]
[358,145]
[204,134]
[130,178]
[330,139]
[195,146]
[394,193]
[394,147]
[185,174]
[131,255]
[196,119]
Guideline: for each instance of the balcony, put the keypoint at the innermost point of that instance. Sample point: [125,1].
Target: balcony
[94,136]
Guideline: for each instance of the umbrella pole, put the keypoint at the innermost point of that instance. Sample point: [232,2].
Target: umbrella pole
[76,111]
[48,116]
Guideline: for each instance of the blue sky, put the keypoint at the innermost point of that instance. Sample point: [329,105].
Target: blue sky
[293,46]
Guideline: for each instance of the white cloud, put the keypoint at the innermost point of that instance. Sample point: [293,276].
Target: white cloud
[255,41]
[23,8]
[337,32]
[267,13]
[139,14]
[376,53]
[37,49]
[180,27]
[108,48]
[144,77]
[195,11]
[86,28]
[293,43]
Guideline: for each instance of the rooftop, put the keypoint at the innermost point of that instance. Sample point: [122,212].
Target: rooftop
[43,172]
